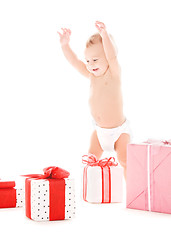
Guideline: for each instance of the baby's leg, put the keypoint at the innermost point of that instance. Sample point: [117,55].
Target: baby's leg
[121,150]
[95,147]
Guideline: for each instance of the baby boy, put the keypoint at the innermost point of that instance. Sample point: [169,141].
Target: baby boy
[112,131]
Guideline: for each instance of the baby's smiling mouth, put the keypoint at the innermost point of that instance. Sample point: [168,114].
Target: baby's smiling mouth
[95,69]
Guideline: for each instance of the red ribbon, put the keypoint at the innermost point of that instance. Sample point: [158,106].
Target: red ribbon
[7,184]
[159,142]
[91,160]
[167,142]
[50,172]
[55,176]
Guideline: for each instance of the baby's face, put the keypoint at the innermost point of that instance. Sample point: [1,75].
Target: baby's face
[96,60]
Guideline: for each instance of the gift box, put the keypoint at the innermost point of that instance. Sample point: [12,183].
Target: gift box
[50,196]
[10,195]
[102,180]
[148,176]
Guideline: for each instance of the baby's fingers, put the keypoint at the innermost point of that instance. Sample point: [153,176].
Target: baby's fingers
[59,34]
[63,30]
[69,31]
[66,31]
[100,25]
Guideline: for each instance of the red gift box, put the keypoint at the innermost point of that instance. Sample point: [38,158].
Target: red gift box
[7,194]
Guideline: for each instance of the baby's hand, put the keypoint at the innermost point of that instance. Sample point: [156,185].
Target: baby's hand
[64,36]
[100,26]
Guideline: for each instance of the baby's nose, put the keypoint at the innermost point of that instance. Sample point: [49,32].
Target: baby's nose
[91,64]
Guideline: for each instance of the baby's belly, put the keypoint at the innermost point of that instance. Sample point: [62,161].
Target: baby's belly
[107,112]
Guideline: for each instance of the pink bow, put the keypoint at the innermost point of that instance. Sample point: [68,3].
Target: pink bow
[92,160]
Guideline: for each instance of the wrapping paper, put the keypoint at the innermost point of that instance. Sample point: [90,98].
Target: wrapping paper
[102,181]
[10,196]
[50,199]
[148,176]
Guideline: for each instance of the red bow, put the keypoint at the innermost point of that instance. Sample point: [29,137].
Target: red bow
[50,172]
[167,142]
[92,160]
[158,142]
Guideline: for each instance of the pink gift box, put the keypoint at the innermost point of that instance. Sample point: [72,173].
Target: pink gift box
[149,176]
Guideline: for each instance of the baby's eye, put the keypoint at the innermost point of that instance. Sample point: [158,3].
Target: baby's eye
[95,60]
[87,61]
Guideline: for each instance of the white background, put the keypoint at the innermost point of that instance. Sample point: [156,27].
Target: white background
[44,113]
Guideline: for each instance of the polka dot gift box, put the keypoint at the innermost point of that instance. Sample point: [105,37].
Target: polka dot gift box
[50,196]
[10,195]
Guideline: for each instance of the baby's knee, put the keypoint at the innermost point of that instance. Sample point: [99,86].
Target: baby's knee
[122,163]
[122,158]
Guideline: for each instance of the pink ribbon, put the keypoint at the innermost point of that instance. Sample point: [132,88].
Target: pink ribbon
[158,143]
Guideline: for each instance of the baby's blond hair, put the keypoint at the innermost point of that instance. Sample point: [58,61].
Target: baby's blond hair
[95,38]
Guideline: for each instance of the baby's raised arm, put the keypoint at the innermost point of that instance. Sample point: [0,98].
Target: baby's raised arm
[108,45]
[69,54]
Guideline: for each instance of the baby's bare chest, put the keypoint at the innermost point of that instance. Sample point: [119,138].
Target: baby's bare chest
[104,86]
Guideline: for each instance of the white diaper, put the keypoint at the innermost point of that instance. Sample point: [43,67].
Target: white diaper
[108,136]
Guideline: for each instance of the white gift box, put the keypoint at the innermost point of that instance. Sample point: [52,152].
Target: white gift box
[102,181]
[20,197]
